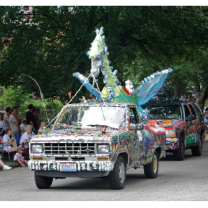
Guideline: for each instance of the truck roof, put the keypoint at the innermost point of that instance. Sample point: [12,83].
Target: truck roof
[101,104]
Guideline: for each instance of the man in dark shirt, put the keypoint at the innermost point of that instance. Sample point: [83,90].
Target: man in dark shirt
[31,119]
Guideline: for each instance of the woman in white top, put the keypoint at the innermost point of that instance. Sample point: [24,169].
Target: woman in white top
[1,124]
[8,141]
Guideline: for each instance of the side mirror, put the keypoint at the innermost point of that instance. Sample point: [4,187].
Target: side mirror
[191,117]
[139,127]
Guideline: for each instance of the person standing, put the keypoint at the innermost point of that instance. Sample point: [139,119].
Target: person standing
[23,126]
[37,111]
[1,125]
[6,118]
[16,116]
[31,120]
[14,123]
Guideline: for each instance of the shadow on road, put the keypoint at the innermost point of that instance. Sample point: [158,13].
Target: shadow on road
[96,183]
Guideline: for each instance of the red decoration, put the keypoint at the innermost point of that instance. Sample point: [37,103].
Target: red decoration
[125,90]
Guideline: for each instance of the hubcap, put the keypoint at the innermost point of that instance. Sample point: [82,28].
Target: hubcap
[121,172]
[154,163]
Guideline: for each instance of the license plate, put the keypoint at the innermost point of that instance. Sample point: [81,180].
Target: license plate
[68,167]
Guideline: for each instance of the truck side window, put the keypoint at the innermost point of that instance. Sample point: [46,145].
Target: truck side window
[199,111]
[192,110]
[133,116]
[187,112]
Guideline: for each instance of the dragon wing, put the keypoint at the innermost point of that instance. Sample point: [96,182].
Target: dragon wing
[150,86]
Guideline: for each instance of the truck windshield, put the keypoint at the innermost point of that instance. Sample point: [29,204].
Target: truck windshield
[92,116]
[165,112]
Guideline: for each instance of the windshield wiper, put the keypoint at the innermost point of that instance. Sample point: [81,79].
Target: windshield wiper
[101,125]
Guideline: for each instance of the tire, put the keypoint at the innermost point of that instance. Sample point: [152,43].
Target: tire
[43,182]
[151,169]
[180,152]
[117,177]
[197,150]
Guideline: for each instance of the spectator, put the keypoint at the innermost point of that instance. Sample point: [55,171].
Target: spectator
[8,141]
[14,123]
[23,126]
[5,167]
[31,119]
[6,118]
[26,137]
[35,116]
[16,116]
[42,127]
[1,125]
[37,111]
[18,157]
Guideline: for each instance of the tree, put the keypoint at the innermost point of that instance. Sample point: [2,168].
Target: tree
[52,44]
[17,97]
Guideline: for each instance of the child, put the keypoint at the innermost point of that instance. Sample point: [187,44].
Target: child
[18,157]
[42,127]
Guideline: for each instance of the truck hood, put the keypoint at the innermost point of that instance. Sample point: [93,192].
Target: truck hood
[80,135]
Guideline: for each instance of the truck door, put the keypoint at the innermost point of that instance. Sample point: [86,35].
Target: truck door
[136,137]
[192,136]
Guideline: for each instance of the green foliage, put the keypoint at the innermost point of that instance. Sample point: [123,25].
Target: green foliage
[140,40]
[17,97]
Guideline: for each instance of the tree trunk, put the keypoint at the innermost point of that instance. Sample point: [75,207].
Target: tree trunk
[201,96]
[178,90]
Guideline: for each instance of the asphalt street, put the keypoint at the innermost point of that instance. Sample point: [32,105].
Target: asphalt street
[176,181]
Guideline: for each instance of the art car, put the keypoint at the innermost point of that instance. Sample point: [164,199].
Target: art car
[183,121]
[105,137]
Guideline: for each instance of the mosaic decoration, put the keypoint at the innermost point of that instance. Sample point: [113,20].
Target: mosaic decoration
[139,146]
[113,91]
[191,132]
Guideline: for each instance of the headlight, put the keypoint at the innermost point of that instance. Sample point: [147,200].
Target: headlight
[37,148]
[103,148]
[170,133]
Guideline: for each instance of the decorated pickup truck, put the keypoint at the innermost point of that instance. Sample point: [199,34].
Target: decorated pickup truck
[94,140]
[103,138]
[183,121]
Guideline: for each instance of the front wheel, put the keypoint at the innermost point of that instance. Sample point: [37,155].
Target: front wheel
[43,182]
[151,169]
[117,177]
[197,150]
[180,152]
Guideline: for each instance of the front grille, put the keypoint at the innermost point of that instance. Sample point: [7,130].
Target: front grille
[72,148]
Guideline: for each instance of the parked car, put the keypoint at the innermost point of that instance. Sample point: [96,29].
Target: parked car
[94,140]
[184,124]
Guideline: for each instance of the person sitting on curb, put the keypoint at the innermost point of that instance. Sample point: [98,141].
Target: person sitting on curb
[9,141]
[25,138]
[19,158]
[5,167]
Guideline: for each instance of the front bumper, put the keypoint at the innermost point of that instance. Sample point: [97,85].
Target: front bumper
[171,144]
[52,165]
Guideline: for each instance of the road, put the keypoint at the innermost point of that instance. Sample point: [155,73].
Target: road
[176,181]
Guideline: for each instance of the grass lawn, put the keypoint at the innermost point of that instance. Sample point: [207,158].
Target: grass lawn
[7,161]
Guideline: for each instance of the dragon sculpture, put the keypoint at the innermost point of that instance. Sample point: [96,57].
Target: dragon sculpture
[113,91]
